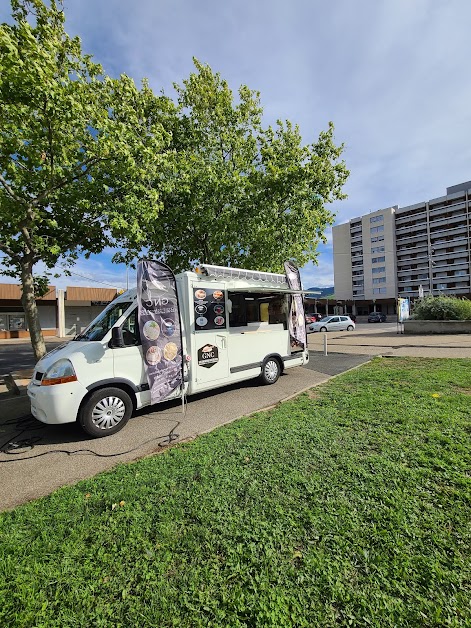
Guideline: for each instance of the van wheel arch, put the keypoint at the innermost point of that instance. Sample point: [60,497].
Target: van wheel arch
[106,410]
[127,388]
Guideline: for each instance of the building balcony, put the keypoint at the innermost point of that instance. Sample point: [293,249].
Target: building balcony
[443,267]
[409,251]
[443,235]
[440,223]
[450,243]
[451,209]
[410,228]
[412,216]
[417,239]
[451,257]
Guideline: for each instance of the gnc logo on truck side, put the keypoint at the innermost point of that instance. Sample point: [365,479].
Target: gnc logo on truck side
[208,356]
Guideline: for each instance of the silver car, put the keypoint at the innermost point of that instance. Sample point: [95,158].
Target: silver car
[333,323]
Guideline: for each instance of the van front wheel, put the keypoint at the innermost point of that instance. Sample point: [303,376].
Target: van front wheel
[105,412]
[271,371]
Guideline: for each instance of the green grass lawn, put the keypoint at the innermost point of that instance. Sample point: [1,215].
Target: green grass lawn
[348,506]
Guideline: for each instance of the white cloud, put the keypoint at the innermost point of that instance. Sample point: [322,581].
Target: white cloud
[391,75]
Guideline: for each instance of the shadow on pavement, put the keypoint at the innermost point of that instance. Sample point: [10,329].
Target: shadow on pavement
[334,363]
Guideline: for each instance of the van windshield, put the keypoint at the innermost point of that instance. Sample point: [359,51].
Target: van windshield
[104,322]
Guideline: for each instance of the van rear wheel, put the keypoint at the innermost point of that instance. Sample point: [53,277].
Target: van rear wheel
[105,412]
[271,371]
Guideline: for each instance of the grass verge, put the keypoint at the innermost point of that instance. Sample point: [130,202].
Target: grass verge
[347,507]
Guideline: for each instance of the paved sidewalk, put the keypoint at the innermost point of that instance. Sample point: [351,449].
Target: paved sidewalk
[384,340]
[42,458]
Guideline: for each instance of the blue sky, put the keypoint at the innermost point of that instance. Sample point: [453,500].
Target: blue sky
[393,76]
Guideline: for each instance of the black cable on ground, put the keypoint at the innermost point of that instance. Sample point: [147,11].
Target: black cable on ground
[27,422]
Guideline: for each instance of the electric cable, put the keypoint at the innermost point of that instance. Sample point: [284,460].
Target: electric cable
[73,272]
[27,422]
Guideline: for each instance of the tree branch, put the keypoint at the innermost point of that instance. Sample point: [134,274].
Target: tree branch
[10,191]
[66,181]
[6,249]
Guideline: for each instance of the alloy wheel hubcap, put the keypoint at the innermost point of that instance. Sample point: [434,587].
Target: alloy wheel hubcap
[271,370]
[108,412]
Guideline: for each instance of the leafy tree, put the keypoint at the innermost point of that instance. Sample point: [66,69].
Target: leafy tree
[80,152]
[239,194]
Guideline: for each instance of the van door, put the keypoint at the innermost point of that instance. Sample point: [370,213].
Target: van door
[209,321]
[127,360]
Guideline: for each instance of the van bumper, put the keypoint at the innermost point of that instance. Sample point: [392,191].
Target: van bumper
[56,404]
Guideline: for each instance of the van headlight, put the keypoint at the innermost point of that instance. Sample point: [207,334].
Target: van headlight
[61,372]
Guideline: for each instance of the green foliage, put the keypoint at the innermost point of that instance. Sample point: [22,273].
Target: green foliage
[89,161]
[78,149]
[442,308]
[348,506]
[240,194]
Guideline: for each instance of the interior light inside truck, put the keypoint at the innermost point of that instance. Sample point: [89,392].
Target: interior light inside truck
[61,372]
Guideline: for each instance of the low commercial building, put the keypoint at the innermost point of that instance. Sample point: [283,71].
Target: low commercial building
[12,316]
[61,312]
[79,306]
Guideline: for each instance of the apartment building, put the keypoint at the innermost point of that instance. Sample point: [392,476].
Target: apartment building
[409,251]
[365,263]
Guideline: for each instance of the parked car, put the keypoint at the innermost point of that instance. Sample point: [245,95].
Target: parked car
[313,317]
[377,317]
[333,323]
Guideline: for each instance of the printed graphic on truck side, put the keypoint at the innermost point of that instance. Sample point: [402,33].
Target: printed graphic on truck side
[208,356]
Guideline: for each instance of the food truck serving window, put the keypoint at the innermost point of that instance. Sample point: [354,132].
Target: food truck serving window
[253,307]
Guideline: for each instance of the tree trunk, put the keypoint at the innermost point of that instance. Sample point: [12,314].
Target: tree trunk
[31,310]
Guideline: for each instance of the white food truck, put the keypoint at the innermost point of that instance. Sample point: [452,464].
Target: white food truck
[239,331]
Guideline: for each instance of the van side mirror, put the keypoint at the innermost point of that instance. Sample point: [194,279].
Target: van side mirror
[116,341]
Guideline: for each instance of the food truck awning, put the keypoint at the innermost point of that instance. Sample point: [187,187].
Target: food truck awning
[260,289]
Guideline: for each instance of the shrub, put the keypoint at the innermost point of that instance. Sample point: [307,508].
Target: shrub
[441,309]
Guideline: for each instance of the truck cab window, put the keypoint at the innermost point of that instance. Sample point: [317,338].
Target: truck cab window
[130,329]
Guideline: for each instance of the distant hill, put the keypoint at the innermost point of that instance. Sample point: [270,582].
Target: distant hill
[324,292]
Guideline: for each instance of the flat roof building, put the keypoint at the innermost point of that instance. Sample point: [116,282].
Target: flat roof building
[409,251]
[61,312]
